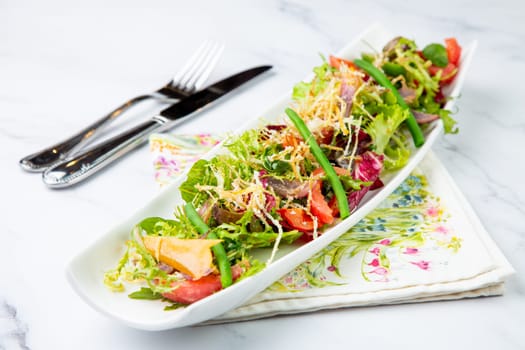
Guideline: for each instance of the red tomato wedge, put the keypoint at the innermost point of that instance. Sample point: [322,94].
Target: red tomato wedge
[336,62]
[333,205]
[453,50]
[190,291]
[298,219]
[448,73]
[320,206]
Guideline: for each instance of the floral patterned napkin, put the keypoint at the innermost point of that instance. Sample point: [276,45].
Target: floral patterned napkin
[424,242]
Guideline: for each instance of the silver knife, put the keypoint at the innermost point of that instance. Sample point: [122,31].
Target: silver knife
[79,167]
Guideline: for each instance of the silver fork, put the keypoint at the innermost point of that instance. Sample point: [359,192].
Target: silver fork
[189,79]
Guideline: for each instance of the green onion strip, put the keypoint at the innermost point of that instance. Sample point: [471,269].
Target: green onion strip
[339,191]
[218,249]
[413,126]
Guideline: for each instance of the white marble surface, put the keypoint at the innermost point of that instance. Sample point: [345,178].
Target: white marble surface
[63,64]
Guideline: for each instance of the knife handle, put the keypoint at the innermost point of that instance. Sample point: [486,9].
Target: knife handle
[79,167]
[41,160]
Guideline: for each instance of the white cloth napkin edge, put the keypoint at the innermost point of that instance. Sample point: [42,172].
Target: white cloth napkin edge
[495,289]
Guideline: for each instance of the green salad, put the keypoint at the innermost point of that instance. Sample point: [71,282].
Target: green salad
[289,181]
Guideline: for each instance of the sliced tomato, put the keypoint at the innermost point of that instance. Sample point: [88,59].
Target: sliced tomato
[320,206]
[298,219]
[453,50]
[190,291]
[448,73]
[333,205]
[336,62]
[323,210]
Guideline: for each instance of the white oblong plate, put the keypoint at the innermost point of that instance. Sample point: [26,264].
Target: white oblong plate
[85,272]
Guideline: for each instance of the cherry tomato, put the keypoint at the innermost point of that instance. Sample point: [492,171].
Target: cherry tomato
[453,50]
[448,73]
[336,62]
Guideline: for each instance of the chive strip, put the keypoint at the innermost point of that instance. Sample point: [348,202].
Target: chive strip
[339,191]
[413,126]
[218,249]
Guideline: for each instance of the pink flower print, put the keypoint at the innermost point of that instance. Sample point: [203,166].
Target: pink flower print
[374,263]
[411,251]
[375,251]
[206,140]
[385,241]
[423,265]
[331,268]
[433,211]
[288,279]
[380,271]
[441,229]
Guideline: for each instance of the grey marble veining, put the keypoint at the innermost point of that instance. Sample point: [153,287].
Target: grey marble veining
[13,331]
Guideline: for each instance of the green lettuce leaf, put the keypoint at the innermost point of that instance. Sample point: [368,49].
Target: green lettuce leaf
[157,226]
[385,124]
[199,173]
[301,90]
[219,171]
[437,54]
[322,77]
[241,236]
[449,123]
[145,294]
[246,146]
[405,56]
[138,264]
[396,152]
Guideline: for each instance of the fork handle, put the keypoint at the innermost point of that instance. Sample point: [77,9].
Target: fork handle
[79,167]
[41,160]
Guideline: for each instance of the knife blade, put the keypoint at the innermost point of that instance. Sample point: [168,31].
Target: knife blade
[81,166]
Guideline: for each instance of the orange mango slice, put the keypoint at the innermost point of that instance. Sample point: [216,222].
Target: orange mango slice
[190,256]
